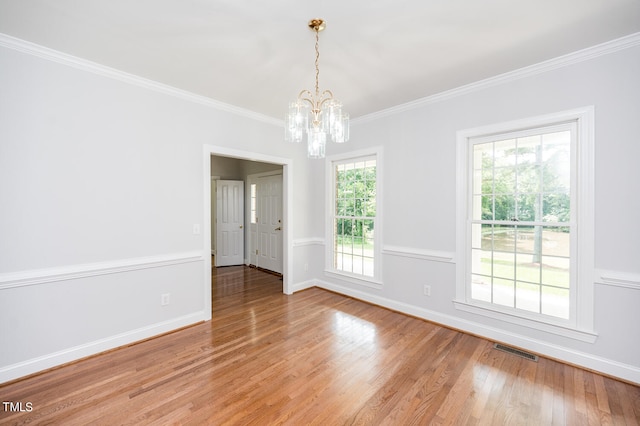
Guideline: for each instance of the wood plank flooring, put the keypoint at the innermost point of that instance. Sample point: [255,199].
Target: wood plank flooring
[315,358]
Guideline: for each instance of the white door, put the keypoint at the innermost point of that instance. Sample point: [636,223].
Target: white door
[270,224]
[229,223]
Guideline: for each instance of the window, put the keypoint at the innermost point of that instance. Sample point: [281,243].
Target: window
[353,226]
[254,203]
[526,227]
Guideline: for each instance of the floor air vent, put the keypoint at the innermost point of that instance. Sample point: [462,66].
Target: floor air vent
[515,351]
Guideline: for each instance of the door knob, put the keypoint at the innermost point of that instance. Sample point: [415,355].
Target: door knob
[278,229]
[240,226]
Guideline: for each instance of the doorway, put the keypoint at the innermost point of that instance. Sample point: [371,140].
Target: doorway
[286,165]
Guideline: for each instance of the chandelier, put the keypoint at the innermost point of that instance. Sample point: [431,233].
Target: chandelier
[316,115]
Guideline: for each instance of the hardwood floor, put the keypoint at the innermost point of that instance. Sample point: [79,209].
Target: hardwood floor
[315,358]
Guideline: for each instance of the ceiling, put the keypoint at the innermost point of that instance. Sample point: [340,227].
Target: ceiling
[374,54]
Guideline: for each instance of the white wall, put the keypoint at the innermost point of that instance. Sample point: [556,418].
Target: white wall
[419,206]
[101,182]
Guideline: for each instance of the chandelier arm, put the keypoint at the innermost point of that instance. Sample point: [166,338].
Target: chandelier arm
[327,95]
[306,95]
[327,92]
[305,92]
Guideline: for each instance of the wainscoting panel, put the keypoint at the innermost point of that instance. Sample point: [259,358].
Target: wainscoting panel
[58,315]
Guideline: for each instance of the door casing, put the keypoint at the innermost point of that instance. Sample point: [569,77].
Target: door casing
[287,214]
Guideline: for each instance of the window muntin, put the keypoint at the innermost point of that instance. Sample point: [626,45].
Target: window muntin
[521,227]
[354,216]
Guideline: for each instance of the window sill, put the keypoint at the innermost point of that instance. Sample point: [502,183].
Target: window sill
[354,279]
[561,330]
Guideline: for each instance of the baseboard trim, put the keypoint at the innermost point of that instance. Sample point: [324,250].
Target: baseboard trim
[303,285]
[45,362]
[628,373]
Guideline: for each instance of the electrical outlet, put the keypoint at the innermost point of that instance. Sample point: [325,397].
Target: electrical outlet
[164,299]
[306,267]
[427,290]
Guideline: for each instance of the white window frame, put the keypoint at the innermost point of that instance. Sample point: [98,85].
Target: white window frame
[330,270]
[580,324]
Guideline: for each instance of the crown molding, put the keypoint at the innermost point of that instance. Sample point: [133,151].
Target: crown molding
[539,68]
[542,67]
[104,71]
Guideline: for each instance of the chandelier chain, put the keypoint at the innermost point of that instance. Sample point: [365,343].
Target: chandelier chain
[317,63]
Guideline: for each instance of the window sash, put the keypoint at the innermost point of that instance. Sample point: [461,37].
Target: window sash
[581,222]
[498,276]
[354,204]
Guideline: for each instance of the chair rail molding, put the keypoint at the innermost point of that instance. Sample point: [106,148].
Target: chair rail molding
[309,241]
[618,279]
[422,254]
[64,273]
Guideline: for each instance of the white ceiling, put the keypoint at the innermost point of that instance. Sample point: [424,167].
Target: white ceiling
[374,54]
